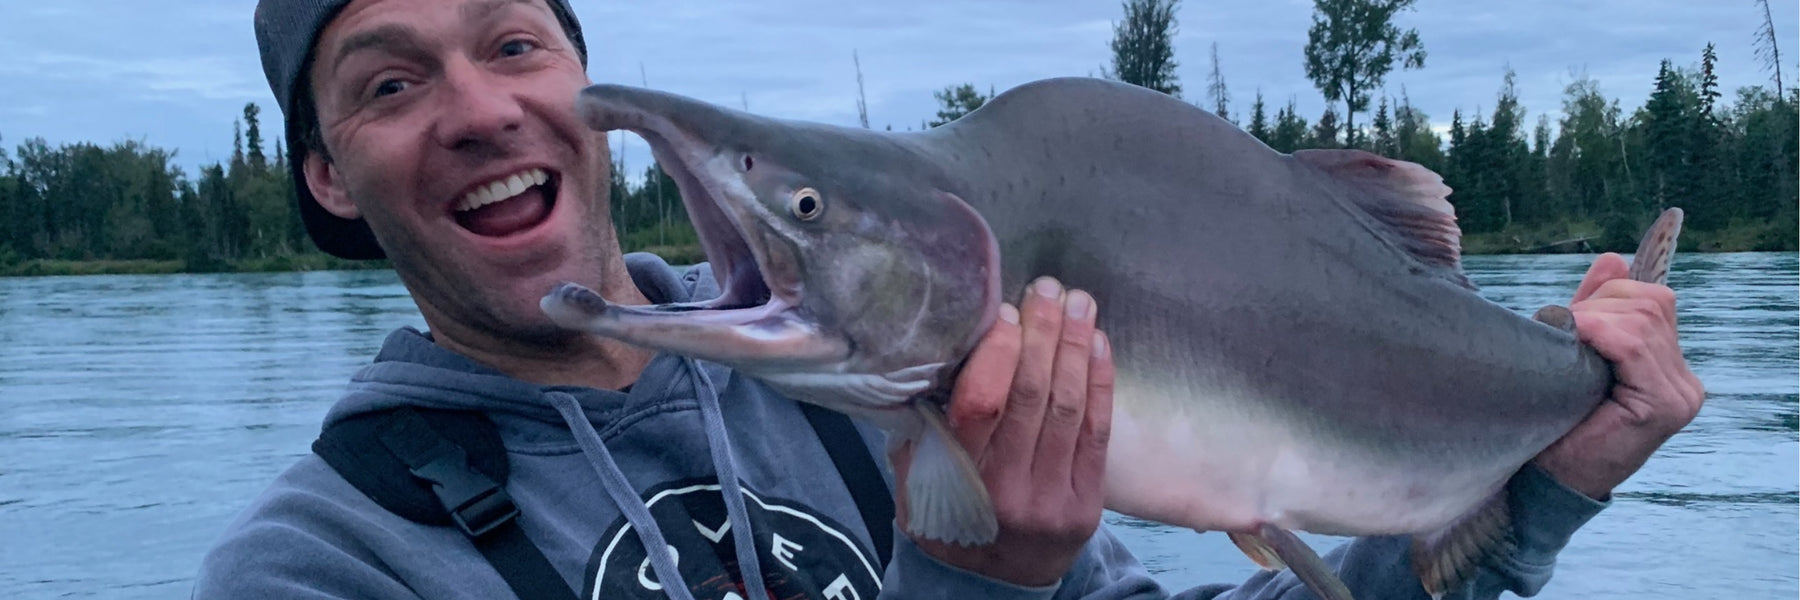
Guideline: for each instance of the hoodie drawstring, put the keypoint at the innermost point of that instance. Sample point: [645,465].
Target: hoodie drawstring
[637,512]
[749,566]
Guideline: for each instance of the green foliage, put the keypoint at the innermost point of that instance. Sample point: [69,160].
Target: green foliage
[1143,46]
[1324,134]
[1290,129]
[650,215]
[1352,46]
[956,101]
[1259,120]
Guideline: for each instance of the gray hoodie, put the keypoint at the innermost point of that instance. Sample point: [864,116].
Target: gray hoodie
[599,473]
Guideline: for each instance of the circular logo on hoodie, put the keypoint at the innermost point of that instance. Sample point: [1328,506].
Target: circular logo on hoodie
[803,554]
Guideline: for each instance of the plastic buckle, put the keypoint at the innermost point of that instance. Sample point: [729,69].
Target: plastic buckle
[476,503]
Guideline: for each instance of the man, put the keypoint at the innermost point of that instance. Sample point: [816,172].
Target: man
[441,135]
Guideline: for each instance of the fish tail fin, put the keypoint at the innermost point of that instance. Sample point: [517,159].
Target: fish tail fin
[1657,249]
[1275,548]
[1447,558]
[1650,264]
[946,499]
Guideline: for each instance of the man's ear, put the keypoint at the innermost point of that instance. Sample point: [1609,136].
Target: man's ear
[322,179]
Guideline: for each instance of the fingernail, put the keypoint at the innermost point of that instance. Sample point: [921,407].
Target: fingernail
[1079,304]
[1099,345]
[1009,314]
[1048,288]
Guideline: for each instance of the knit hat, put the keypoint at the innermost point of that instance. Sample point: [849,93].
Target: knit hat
[285,33]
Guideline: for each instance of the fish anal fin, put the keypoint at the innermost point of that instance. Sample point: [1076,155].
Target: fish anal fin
[1259,552]
[946,499]
[1447,558]
[1411,200]
[1273,548]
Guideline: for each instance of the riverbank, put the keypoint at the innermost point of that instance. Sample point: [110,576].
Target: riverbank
[683,254]
[1565,238]
[1588,237]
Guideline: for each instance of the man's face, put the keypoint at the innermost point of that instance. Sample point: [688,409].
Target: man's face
[436,113]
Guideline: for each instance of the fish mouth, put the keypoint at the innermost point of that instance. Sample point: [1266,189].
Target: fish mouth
[758,315]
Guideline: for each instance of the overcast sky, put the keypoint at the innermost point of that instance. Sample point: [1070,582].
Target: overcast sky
[175,74]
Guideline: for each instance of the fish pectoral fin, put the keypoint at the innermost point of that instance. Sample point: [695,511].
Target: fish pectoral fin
[1411,200]
[946,499]
[1447,558]
[1273,548]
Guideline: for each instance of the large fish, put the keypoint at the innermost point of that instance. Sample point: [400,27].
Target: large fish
[1297,346]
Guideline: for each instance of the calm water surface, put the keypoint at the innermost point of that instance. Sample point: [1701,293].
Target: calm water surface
[138,414]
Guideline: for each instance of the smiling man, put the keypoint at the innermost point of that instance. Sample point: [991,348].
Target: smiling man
[441,134]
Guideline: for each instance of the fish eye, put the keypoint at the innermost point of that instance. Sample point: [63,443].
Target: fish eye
[748,162]
[806,204]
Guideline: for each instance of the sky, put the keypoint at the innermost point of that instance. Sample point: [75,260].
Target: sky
[176,74]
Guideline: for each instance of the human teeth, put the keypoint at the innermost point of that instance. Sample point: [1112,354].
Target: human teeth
[502,189]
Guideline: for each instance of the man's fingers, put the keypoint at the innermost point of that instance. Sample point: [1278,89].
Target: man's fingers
[1041,316]
[1068,392]
[1608,267]
[979,397]
[1089,464]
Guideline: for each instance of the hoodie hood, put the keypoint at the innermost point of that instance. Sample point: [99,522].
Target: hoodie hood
[413,370]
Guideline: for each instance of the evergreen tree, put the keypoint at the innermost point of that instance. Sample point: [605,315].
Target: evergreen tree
[253,137]
[1259,122]
[1143,46]
[1414,138]
[1325,133]
[956,101]
[1290,129]
[1767,49]
[1215,89]
[1384,132]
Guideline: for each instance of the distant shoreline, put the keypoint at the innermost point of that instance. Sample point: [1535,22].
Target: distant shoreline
[1560,239]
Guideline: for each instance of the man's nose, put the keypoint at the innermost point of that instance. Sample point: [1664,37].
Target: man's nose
[478,110]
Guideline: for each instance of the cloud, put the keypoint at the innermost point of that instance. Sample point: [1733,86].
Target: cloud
[180,72]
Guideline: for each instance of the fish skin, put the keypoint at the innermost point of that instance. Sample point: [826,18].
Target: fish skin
[1294,352]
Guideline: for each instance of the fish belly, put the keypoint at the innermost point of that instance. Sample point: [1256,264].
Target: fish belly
[1218,460]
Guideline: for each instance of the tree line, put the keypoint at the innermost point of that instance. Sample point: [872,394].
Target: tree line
[1596,172]
[130,201]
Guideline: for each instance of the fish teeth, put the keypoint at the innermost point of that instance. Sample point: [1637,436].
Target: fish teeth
[502,189]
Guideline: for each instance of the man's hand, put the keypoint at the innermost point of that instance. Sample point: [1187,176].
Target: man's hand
[1632,324]
[1033,407]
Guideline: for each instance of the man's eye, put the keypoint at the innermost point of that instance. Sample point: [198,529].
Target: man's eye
[390,86]
[516,47]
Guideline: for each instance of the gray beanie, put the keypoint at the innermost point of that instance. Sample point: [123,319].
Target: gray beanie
[285,33]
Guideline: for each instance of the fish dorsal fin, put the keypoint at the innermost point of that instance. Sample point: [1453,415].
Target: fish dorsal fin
[1411,200]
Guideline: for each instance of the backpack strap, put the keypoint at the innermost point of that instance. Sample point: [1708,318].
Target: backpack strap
[856,466]
[443,468]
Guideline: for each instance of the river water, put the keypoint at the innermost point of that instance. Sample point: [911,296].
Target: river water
[138,414]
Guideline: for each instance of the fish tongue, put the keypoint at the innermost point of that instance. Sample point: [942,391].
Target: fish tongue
[508,216]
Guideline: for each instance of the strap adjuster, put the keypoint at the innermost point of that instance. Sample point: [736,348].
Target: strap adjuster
[475,502]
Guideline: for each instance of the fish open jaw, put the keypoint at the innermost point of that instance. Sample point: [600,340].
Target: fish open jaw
[740,258]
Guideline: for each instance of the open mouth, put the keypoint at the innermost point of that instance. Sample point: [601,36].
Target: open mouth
[756,319]
[509,205]
[756,275]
